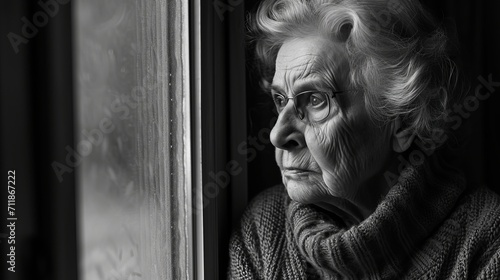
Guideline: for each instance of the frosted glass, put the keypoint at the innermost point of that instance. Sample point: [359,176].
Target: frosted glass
[134,184]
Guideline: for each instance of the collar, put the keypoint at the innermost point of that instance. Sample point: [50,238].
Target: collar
[382,245]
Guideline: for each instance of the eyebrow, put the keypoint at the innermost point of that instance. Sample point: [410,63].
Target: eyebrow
[304,85]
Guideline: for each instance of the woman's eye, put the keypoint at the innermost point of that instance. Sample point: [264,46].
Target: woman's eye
[279,100]
[316,100]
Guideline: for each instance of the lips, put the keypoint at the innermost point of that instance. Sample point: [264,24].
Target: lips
[296,173]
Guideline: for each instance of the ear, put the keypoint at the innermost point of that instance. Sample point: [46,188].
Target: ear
[344,32]
[401,138]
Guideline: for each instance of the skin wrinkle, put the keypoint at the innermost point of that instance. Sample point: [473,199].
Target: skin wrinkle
[347,152]
[303,70]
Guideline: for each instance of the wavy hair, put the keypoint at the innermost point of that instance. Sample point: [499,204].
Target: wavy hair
[398,54]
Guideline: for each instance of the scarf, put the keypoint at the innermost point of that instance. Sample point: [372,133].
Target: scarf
[427,227]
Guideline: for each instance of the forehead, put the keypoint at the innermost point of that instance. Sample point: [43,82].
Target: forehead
[305,58]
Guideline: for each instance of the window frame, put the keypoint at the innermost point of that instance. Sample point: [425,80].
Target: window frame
[219,124]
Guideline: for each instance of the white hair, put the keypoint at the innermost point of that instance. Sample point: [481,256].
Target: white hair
[397,53]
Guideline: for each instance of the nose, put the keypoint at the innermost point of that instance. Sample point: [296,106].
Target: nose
[286,133]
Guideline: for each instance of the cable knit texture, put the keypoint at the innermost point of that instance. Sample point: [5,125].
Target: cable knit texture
[427,227]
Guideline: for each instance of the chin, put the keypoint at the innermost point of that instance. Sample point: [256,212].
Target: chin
[304,190]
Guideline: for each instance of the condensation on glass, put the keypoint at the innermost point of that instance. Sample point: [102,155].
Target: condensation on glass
[133,135]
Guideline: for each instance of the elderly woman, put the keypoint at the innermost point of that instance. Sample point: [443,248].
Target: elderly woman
[362,90]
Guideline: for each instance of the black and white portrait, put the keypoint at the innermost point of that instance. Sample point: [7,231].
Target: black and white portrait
[257,139]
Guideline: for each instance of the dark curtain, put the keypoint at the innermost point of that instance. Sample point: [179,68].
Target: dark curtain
[477,26]
[36,114]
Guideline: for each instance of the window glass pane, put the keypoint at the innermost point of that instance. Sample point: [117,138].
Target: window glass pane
[133,138]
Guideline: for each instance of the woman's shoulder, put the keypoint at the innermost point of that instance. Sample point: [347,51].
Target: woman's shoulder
[478,215]
[478,212]
[482,205]
[267,208]
[259,235]
[481,208]
[268,197]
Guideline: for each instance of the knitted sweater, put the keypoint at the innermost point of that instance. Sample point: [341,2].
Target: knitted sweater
[427,227]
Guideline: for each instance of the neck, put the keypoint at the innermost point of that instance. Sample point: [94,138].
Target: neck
[355,210]
[414,207]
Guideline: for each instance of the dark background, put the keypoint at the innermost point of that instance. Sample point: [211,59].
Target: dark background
[36,111]
[478,34]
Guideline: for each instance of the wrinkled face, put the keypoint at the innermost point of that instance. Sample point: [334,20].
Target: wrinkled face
[334,158]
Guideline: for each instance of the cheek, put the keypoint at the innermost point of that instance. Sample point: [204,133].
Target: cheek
[338,147]
[278,155]
[328,141]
